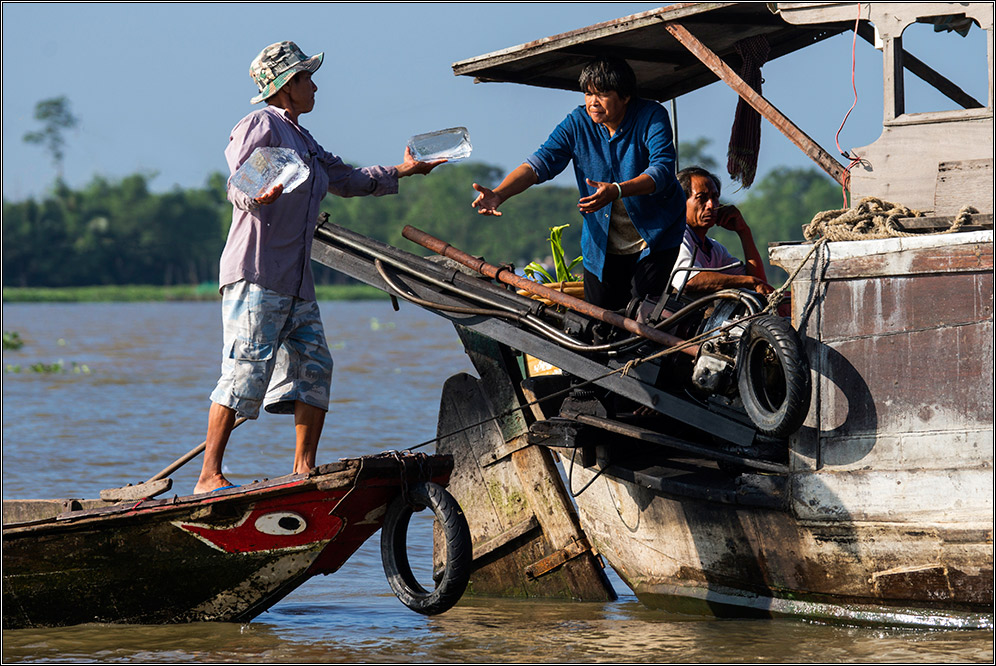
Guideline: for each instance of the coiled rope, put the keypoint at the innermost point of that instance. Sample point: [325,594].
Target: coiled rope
[873,218]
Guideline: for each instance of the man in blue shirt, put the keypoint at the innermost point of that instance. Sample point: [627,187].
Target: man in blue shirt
[633,208]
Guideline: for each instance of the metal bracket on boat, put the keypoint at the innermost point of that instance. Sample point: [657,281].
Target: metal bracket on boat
[560,432]
[583,401]
[577,547]
[69,506]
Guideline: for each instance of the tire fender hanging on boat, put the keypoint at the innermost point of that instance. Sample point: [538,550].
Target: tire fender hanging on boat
[451,584]
[773,376]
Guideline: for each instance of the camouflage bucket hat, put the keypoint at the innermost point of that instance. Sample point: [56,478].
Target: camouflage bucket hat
[276,64]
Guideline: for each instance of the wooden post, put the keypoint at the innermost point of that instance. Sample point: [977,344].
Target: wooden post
[916,66]
[893,88]
[528,541]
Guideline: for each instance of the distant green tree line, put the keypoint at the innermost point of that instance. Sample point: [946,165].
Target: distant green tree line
[120,232]
[115,233]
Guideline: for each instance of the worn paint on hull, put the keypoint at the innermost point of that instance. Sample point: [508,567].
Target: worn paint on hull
[527,540]
[889,512]
[226,557]
[703,557]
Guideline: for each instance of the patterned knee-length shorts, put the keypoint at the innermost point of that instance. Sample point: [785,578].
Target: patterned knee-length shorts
[275,352]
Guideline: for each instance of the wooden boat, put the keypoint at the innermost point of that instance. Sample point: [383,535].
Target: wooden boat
[883,511]
[875,505]
[225,556]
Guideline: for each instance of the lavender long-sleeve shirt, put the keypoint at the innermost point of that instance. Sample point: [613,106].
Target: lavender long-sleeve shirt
[271,245]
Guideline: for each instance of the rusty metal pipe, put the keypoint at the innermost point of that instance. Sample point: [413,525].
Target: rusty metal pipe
[508,277]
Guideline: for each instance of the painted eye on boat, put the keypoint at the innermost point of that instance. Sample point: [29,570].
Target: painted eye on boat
[281,522]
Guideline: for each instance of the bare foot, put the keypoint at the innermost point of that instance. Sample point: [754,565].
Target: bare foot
[210,484]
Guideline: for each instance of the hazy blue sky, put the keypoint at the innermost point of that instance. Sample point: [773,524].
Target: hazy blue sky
[158,87]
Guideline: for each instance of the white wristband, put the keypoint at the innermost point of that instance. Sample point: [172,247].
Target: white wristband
[619,187]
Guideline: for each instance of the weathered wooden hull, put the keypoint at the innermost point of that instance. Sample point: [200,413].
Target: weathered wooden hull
[527,538]
[227,556]
[700,557]
[878,510]
[888,507]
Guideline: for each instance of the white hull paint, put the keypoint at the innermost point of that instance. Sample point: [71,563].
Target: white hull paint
[889,510]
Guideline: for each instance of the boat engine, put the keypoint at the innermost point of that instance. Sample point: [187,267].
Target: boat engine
[714,369]
[756,359]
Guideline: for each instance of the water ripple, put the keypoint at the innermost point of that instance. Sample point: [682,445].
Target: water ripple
[146,403]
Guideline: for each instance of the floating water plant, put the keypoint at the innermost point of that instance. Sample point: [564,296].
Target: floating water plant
[376,325]
[58,367]
[12,340]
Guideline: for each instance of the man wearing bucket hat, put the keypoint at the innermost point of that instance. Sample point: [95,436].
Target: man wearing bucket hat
[275,353]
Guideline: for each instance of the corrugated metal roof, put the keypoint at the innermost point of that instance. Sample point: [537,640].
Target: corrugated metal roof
[664,68]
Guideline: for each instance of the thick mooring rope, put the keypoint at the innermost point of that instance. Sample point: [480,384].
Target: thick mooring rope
[775,297]
[873,218]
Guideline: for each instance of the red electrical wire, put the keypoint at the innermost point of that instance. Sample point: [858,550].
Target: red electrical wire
[854,159]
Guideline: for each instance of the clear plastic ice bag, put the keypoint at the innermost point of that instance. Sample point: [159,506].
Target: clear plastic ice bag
[268,166]
[451,144]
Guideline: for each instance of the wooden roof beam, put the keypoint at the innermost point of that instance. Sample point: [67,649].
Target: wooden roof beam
[815,152]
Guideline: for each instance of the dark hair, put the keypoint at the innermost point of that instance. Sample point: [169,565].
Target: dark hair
[685,179]
[606,74]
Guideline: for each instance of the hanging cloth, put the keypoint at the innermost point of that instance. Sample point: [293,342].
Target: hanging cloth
[745,137]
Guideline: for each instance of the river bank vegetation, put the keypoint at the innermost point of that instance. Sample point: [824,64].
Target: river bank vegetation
[98,242]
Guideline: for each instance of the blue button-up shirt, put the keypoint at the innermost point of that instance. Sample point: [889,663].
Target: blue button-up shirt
[643,144]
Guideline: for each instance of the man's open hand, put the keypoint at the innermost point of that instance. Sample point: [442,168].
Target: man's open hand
[271,196]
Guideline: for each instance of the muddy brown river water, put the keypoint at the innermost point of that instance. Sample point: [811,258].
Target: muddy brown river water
[139,400]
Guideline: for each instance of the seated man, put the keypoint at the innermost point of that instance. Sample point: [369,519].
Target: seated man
[702,211]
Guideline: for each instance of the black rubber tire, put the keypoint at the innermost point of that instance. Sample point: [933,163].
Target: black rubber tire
[451,584]
[773,376]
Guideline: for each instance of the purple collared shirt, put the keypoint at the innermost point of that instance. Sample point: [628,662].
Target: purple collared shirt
[271,245]
[710,254]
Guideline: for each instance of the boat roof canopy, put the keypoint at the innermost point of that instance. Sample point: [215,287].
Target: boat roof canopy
[665,69]
[680,48]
